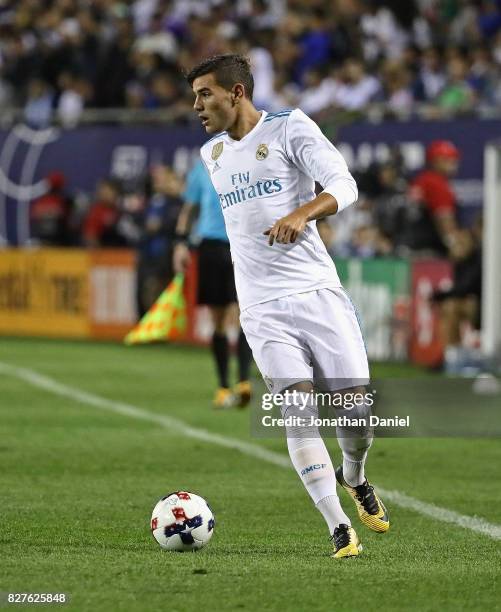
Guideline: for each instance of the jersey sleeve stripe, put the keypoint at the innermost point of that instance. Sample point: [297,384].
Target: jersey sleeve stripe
[278,115]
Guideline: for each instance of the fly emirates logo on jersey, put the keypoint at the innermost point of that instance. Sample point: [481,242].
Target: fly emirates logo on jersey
[244,190]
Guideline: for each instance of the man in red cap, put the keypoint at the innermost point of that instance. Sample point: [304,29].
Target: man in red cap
[432,192]
[50,213]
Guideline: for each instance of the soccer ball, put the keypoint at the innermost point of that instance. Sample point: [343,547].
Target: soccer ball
[182,521]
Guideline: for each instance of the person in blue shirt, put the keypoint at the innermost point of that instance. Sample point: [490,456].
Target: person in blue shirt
[156,224]
[216,282]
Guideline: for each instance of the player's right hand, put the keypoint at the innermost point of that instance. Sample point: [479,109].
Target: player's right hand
[288,228]
[181,258]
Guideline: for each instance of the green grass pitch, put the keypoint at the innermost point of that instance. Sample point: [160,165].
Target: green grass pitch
[78,485]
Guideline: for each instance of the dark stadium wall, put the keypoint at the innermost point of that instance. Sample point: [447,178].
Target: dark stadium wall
[86,154]
[363,143]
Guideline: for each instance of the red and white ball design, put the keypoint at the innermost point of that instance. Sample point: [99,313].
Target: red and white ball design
[182,521]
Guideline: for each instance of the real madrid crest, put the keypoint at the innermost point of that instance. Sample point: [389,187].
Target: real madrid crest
[217,149]
[262,152]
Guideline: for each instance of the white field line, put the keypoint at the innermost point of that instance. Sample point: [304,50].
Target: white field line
[35,379]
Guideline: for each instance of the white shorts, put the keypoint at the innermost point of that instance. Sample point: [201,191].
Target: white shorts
[313,336]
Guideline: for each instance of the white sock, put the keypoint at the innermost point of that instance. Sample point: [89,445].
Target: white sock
[312,462]
[353,471]
[355,444]
[314,466]
[332,512]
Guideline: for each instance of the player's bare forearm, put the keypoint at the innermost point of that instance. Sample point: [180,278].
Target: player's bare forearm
[184,220]
[287,229]
[322,206]
[181,256]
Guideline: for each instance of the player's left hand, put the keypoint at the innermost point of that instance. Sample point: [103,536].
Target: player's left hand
[287,229]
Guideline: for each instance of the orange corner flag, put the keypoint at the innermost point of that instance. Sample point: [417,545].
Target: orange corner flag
[165,320]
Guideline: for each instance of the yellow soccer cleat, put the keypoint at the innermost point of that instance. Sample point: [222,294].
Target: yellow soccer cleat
[243,393]
[370,508]
[346,542]
[223,398]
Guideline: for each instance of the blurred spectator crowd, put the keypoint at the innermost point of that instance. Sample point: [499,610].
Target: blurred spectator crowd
[436,58]
[58,57]
[396,215]
[142,217]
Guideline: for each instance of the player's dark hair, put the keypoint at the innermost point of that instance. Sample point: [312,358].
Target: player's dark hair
[228,69]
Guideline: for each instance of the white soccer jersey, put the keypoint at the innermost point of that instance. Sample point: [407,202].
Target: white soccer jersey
[263,177]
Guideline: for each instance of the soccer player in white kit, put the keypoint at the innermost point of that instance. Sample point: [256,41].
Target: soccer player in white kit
[298,320]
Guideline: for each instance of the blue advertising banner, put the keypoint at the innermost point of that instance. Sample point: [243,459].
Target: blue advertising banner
[86,154]
[364,143]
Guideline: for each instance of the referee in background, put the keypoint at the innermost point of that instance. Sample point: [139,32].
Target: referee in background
[216,282]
